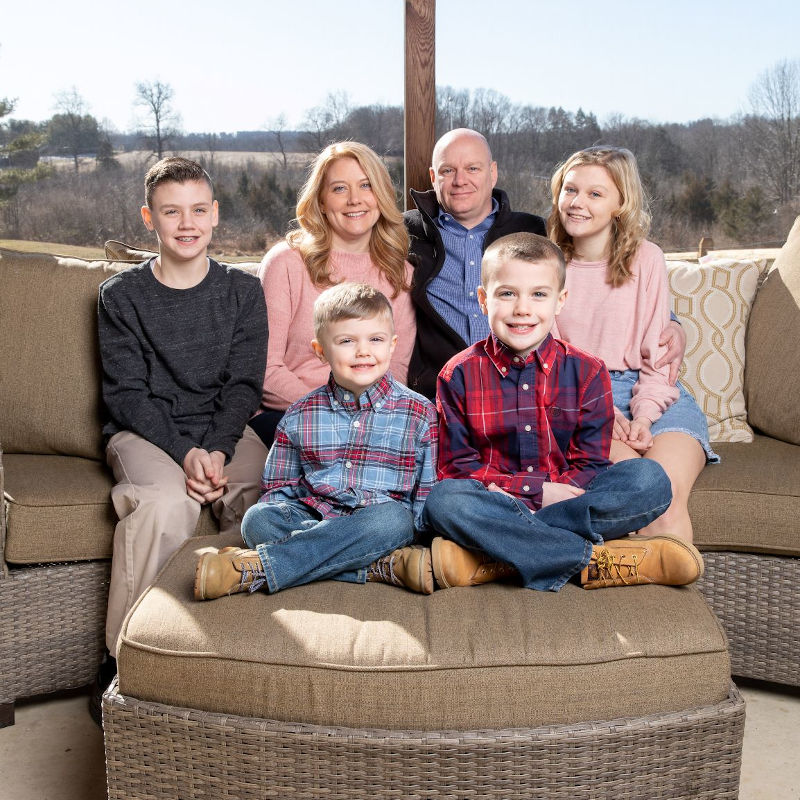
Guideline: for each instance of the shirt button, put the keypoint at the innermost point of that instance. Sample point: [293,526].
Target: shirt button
[527,427]
[503,369]
[348,397]
[472,263]
[356,424]
[378,405]
[530,469]
[348,464]
[472,294]
[525,386]
[545,364]
[526,488]
[471,236]
[516,359]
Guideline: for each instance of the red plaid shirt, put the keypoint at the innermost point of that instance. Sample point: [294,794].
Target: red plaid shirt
[518,424]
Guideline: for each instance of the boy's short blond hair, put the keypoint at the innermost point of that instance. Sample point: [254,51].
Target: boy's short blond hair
[176,169]
[523,247]
[349,301]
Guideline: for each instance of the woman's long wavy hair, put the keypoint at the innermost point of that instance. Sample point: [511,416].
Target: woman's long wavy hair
[388,244]
[632,222]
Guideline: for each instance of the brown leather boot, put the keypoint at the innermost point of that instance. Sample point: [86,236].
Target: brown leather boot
[665,560]
[231,570]
[454,565]
[409,567]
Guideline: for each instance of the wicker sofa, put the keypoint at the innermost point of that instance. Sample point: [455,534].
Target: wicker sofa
[57,521]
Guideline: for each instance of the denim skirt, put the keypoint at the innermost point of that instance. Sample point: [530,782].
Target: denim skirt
[683,416]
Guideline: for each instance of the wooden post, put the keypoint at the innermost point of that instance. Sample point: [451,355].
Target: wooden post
[420,94]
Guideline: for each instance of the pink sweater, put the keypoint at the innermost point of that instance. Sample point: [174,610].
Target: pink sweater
[292,368]
[622,325]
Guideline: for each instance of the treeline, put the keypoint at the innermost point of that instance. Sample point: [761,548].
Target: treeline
[737,180]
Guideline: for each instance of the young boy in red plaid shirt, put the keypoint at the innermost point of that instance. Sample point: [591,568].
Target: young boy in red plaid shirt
[525,423]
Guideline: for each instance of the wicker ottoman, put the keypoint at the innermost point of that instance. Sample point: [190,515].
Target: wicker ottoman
[342,691]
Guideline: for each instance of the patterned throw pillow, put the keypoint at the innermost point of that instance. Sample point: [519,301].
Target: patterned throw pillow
[712,300]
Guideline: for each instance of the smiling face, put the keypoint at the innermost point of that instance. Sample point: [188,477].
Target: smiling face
[349,205]
[357,350]
[463,176]
[587,205]
[183,215]
[521,300]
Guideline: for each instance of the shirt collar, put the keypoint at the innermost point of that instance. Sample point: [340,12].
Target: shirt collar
[505,359]
[446,220]
[374,396]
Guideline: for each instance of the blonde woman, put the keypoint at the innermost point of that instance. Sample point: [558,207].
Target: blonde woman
[617,308]
[348,229]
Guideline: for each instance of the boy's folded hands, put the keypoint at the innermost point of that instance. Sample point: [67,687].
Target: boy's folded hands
[205,481]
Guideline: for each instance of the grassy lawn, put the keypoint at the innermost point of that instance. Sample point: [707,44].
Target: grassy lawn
[97,253]
[25,246]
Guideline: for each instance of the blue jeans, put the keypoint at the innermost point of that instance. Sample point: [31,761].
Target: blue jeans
[549,547]
[296,546]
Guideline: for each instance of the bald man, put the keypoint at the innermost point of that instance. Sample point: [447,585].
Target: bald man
[451,227]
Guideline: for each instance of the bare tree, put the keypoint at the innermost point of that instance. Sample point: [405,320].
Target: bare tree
[73,130]
[156,98]
[325,123]
[774,129]
[277,129]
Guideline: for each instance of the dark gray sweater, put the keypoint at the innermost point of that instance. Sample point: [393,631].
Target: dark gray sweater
[182,368]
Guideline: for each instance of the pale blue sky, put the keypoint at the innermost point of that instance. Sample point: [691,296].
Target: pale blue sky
[238,65]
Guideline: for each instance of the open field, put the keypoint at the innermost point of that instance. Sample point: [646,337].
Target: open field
[229,158]
[97,253]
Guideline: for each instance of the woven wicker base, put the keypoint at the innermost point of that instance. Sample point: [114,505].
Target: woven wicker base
[158,751]
[52,629]
[757,602]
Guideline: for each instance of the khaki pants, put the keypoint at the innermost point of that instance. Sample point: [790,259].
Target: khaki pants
[156,516]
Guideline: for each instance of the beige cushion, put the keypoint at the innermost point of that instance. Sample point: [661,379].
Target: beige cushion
[59,509]
[50,387]
[334,653]
[119,251]
[712,301]
[750,501]
[772,376]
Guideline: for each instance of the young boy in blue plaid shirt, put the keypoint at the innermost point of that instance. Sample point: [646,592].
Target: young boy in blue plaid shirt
[346,479]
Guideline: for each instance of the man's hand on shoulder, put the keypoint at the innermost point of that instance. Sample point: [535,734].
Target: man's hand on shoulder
[673,337]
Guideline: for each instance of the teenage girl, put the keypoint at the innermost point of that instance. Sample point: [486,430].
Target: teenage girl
[617,306]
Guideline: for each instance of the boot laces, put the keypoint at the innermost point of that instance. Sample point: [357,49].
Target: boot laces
[253,577]
[383,568]
[610,568]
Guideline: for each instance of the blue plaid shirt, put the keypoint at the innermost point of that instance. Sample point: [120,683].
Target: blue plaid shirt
[453,291]
[337,453]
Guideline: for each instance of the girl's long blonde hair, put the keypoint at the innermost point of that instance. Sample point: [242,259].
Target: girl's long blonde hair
[388,244]
[632,222]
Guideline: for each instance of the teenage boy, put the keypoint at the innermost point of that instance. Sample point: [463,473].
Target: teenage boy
[347,477]
[183,346]
[525,425]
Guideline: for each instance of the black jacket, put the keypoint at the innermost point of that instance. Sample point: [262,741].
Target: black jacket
[436,341]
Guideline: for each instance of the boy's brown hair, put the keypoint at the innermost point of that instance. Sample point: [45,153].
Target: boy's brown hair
[523,247]
[173,168]
[349,301]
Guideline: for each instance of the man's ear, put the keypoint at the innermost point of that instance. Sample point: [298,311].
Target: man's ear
[147,218]
[433,176]
[316,346]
